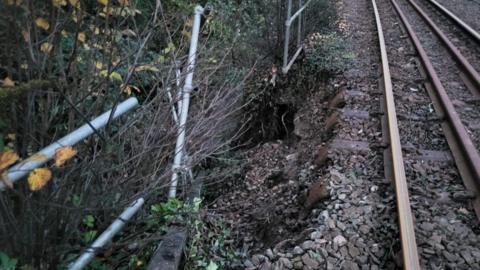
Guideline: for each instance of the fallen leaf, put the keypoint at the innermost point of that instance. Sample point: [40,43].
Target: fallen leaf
[26,36]
[59,3]
[63,154]
[14,2]
[12,136]
[42,23]
[130,88]
[8,82]
[147,68]
[38,178]
[81,37]
[46,47]
[7,158]
[103,2]
[124,2]
[75,3]
[98,65]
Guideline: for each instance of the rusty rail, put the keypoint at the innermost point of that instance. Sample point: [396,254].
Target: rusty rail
[466,155]
[465,27]
[458,56]
[407,232]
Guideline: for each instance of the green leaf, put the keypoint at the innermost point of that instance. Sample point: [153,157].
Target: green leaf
[89,236]
[89,221]
[212,266]
[7,263]
[76,200]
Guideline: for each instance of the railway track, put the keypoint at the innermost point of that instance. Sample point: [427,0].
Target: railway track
[438,150]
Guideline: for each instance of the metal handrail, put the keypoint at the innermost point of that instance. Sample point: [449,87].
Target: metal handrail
[20,170]
[288,23]
[180,119]
[185,101]
[107,235]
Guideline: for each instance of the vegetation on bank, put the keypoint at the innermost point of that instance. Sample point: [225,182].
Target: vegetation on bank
[66,61]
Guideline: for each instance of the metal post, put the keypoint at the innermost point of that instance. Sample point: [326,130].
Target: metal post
[287,37]
[107,235]
[23,168]
[299,34]
[187,89]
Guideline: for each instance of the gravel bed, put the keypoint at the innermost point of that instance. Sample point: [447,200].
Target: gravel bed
[444,218]
[467,46]
[444,65]
[467,10]
[352,224]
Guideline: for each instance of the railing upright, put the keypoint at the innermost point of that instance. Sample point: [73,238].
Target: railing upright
[185,101]
[288,23]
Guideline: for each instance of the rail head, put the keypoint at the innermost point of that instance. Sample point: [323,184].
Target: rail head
[407,231]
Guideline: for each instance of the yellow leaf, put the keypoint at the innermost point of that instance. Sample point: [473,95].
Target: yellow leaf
[146,67]
[26,36]
[46,47]
[38,178]
[81,37]
[14,2]
[8,82]
[103,2]
[116,76]
[7,158]
[59,3]
[42,23]
[63,154]
[75,3]
[98,65]
[64,33]
[186,34]
[130,88]
[38,157]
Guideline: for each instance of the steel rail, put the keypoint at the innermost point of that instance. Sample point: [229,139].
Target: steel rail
[469,153]
[470,70]
[467,28]
[407,231]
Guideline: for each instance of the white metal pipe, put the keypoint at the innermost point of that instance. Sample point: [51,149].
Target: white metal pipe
[286,65]
[287,37]
[297,53]
[107,235]
[172,105]
[299,29]
[178,74]
[299,11]
[187,89]
[20,170]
